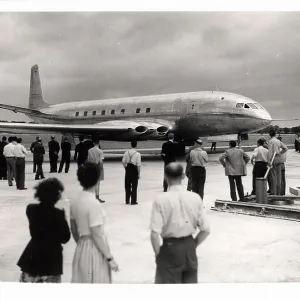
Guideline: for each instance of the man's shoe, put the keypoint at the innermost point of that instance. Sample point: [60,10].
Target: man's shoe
[43,177]
[101,201]
[134,203]
[23,188]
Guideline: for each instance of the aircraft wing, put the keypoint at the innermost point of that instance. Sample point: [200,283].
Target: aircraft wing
[108,130]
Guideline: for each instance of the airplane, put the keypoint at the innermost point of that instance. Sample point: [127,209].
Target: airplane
[187,115]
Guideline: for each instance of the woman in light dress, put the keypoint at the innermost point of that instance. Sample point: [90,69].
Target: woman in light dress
[93,261]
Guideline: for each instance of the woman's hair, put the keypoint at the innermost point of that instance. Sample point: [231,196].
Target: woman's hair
[49,191]
[88,175]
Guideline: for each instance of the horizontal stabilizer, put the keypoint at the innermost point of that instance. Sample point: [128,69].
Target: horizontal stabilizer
[18,109]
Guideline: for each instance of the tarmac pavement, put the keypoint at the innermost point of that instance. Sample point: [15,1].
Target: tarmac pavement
[239,249]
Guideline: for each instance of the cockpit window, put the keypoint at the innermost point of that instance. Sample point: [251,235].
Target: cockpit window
[246,105]
[259,106]
[252,105]
[239,105]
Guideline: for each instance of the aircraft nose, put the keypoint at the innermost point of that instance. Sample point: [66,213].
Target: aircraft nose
[266,118]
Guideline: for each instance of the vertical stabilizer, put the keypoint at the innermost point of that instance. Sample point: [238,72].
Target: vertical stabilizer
[36,100]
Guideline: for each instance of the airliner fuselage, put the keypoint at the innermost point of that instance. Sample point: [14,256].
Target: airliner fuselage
[188,115]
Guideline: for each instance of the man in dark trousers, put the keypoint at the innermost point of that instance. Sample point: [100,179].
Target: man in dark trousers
[53,154]
[234,160]
[168,154]
[20,153]
[188,172]
[81,152]
[65,155]
[132,164]
[32,149]
[176,216]
[3,169]
[199,159]
[38,154]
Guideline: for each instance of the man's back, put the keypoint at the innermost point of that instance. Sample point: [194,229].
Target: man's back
[236,159]
[53,146]
[65,148]
[95,155]
[169,151]
[182,212]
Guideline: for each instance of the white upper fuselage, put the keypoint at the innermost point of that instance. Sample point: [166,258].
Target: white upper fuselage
[189,114]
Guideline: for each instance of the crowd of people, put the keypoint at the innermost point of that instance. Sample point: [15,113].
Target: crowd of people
[177,216]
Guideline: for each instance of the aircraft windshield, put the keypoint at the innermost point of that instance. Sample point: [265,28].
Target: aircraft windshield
[249,106]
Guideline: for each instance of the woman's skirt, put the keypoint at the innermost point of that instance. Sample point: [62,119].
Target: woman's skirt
[89,264]
[25,277]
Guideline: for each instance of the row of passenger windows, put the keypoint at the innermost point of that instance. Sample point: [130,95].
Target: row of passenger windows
[112,112]
[249,105]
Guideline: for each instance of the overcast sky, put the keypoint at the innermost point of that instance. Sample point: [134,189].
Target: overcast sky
[87,56]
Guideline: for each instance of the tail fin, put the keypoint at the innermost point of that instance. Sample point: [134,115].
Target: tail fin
[36,100]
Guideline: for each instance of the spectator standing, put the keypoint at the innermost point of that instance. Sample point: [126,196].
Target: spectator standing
[32,150]
[93,261]
[168,154]
[38,154]
[8,153]
[277,148]
[20,153]
[176,216]
[199,159]
[260,161]
[234,160]
[65,155]
[3,168]
[132,163]
[81,152]
[96,156]
[42,259]
[53,154]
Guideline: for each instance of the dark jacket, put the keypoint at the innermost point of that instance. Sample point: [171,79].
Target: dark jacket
[33,145]
[169,152]
[234,160]
[38,153]
[66,150]
[2,145]
[81,152]
[48,229]
[53,147]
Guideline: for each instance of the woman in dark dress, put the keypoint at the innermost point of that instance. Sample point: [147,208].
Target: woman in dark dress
[42,259]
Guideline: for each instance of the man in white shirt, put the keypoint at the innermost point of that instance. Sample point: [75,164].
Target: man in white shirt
[96,156]
[283,161]
[260,161]
[8,152]
[19,153]
[177,215]
[132,163]
[276,147]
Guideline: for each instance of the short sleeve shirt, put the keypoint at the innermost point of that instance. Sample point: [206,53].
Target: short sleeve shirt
[87,212]
[132,156]
[95,155]
[177,213]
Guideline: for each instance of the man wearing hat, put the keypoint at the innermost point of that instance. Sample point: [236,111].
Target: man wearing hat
[198,160]
[168,154]
[53,154]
